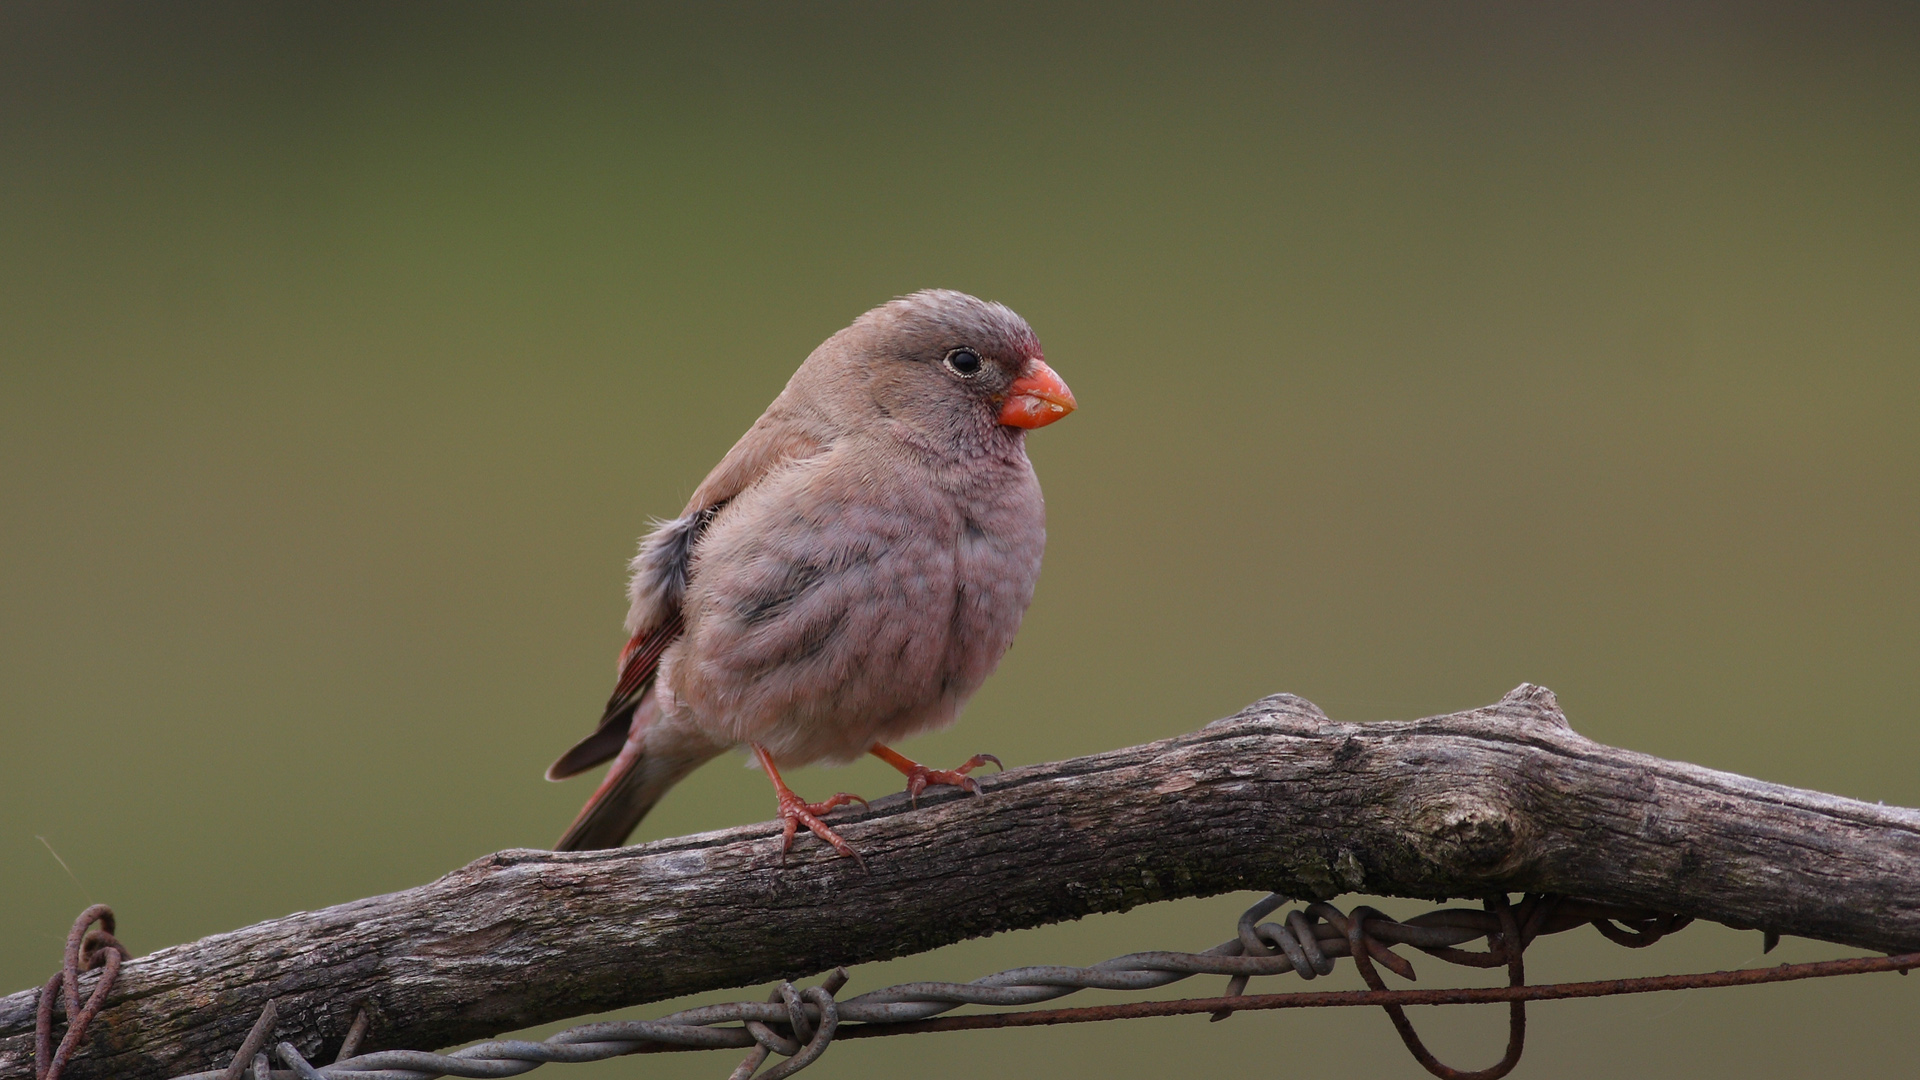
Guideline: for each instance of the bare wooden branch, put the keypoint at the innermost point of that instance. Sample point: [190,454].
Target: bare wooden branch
[1505,798]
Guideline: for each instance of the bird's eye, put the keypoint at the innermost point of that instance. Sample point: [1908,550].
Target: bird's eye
[964,363]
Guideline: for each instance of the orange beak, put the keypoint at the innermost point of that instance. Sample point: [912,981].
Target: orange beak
[1037,398]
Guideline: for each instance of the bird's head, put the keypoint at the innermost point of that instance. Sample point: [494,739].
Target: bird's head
[940,360]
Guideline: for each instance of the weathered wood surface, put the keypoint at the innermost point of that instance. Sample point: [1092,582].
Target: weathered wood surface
[1278,798]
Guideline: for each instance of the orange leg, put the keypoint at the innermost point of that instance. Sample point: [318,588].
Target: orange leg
[795,811]
[919,777]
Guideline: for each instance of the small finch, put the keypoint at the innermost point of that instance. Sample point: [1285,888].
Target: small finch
[847,576]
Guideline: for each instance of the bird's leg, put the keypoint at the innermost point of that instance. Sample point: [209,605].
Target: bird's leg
[795,811]
[919,777]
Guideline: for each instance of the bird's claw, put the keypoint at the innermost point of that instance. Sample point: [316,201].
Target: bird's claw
[795,812]
[919,778]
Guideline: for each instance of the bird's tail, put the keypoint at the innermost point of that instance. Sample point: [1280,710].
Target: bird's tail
[650,762]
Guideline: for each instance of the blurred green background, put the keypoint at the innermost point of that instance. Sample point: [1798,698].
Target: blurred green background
[345,350]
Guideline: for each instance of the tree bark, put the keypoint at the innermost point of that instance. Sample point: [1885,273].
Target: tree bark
[1278,797]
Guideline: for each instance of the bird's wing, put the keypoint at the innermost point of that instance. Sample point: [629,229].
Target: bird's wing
[660,575]
[783,433]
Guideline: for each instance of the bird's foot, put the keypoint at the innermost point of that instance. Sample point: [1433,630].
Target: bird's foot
[795,812]
[919,777]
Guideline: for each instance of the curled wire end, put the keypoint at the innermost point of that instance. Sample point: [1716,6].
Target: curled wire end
[87,949]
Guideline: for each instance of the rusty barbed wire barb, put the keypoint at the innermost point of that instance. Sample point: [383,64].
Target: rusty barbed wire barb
[800,1024]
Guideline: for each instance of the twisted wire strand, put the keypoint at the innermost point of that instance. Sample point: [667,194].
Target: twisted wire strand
[799,1024]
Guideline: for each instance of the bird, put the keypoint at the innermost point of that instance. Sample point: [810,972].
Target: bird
[847,576]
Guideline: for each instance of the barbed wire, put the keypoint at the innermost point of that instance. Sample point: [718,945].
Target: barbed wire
[800,1024]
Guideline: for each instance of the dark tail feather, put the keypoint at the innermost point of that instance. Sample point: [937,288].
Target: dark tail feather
[605,742]
[635,782]
[613,812]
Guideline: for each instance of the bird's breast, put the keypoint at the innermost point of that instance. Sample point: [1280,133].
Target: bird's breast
[834,611]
